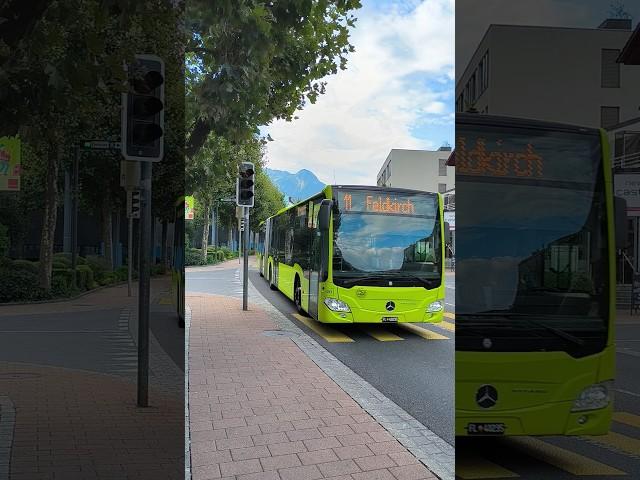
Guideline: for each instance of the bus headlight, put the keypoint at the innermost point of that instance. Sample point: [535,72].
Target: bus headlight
[593,397]
[336,305]
[435,307]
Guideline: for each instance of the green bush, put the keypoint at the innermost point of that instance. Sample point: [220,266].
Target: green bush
[4,240]
[62,282]
[86,274]
[107,278]
[65,257]
[25,265]
[19,285]
[121,273]
[158,269]
[99,266]
[193,256]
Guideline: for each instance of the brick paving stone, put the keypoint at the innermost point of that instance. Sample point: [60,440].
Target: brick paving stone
[412,472]
[306,472]
[353,451]
[281,416]
[374,475]
[340,467]
[280,461]
[286,447]
[318,456]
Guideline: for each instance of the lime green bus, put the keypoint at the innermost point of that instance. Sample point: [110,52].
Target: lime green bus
[357,254]
[537,233]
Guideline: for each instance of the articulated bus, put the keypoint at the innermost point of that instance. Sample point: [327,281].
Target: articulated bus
[177,259]
[355,254]
[535,264]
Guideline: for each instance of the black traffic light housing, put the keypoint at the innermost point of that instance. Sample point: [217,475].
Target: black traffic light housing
[245,185]
[143,110]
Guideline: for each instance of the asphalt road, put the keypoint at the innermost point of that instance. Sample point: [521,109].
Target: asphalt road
[89,340]
[414,372]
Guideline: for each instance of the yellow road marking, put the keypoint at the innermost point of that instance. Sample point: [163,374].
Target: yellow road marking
[446,325]
[380,334]
[620,442]
[449,315]
[328,333]
[422,332]
[571,462]
[627,418]
[475,467]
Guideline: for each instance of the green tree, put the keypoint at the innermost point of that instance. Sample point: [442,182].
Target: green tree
[251,61]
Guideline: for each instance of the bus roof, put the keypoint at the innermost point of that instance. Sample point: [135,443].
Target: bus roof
[505,121]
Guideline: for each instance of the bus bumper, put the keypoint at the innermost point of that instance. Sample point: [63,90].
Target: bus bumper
[367,316]
[554,419]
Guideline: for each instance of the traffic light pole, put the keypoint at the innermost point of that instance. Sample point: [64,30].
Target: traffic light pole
[245,251]
[144,288]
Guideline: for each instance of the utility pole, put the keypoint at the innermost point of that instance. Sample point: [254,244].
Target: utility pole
[144,289]
[245,250]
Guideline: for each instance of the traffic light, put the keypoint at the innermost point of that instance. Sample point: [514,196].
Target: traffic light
[143,110]
[133,203]
[245,185]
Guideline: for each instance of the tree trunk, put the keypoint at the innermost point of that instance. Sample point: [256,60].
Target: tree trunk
[205,232]
[107,229]
[164,257]
[49,218]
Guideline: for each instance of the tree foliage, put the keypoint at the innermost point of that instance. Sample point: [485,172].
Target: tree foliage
[253,61]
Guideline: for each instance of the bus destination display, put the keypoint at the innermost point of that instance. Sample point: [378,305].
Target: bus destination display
[389,203]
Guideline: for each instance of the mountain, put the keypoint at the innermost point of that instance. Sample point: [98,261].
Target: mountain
[298,186]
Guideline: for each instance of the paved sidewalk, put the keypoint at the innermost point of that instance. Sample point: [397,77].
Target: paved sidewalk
[73,420]
[260,409]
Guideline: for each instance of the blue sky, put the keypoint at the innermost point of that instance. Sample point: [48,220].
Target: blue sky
[397,92]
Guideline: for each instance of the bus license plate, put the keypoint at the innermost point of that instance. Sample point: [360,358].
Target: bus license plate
[389,319]
[485,428]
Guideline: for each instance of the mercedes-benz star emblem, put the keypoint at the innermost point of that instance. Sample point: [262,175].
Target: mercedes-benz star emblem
[487,343]
[487,396]
[390,306]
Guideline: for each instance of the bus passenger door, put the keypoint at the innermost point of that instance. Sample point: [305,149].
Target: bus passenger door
[314,260]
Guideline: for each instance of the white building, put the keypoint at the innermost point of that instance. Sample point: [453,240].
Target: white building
[526,71]
[418,170]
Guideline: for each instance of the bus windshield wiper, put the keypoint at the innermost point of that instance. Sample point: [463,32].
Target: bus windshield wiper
[351,281]
[526,318]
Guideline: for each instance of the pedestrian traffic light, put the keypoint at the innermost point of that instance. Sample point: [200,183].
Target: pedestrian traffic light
[133,203]
[143,110]
[245,185]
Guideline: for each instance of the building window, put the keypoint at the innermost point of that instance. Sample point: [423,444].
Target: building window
[442,167]
[442,187]
[610,68]
[609,116]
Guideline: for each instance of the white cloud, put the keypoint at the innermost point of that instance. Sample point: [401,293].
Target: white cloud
[398,79]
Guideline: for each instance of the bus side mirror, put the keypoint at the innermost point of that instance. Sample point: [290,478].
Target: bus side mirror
[324,215]
[447,233]
[621,225]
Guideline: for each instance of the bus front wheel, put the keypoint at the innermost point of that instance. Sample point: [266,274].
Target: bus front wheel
[297,295]
[271,285]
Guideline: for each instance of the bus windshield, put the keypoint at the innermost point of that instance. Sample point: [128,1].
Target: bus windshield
[383,234]
[532,239]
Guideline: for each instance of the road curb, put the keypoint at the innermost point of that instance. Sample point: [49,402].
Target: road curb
[187,425]
[7,427]
[434,452]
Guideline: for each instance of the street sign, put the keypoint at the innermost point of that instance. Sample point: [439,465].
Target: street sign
[10,164]
[242,224]
[101,145]
[189,212]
